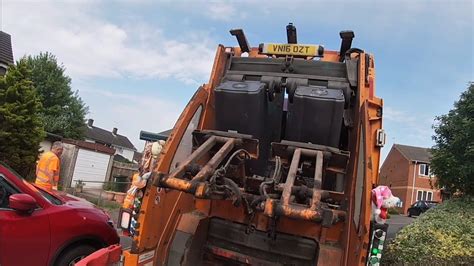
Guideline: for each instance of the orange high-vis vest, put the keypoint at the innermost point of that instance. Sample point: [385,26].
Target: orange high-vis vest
[128,202]
[47,169]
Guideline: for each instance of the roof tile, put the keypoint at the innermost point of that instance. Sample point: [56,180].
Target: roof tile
[6,52]
[106,137]
[414,153]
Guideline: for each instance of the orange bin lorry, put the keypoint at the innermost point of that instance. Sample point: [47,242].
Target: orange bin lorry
[272,162]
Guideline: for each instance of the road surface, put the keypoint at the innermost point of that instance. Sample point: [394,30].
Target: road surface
[397,222]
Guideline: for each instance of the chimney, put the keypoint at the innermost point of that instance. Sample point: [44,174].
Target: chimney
[90,122]
[114,131]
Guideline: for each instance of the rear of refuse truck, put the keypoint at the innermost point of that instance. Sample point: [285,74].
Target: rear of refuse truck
[272,162]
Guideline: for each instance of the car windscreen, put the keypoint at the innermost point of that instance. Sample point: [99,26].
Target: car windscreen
[48,196]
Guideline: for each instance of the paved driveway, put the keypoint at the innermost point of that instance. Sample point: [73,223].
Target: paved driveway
[397,222]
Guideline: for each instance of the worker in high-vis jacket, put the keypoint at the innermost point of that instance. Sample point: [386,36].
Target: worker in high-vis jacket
[48,167]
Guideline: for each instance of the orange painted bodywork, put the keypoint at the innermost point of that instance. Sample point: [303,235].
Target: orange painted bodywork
[347,242]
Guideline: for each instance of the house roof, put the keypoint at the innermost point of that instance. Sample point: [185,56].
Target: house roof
[137,156]
[414,153]
[90,146]
[53,137]
[6,52]
[120,158]
[106,137]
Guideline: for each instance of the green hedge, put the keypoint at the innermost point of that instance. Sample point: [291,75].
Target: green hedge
[444,235]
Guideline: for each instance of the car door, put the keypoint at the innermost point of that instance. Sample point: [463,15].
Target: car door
[24,238]
[423,207]
[417,209]
[412,209]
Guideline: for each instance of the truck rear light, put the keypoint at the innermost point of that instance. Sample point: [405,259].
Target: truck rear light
[125,218]
[377,239]
[381,137]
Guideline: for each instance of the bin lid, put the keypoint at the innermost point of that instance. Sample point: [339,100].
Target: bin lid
[319,92]
[241,86]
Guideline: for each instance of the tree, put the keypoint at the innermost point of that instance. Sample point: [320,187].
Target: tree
[21,127]
[453,153]
[63,110]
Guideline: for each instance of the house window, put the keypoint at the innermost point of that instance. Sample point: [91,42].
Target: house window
[424,169]
[424,195]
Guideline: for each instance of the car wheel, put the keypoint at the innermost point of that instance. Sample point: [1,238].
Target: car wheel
[73,255]
[409,214]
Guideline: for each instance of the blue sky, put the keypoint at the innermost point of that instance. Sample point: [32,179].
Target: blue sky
[137,63]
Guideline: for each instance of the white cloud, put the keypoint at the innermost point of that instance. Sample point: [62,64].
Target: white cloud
[403,127]
[413,123]
[394,115]
[131,113]
[222,11]
[91,46]
[228,11]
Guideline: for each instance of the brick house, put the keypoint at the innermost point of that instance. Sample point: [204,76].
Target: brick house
[406,170]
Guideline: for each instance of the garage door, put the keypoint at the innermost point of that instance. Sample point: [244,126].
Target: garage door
[90,166]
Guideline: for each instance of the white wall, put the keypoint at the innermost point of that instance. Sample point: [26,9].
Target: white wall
[127,153]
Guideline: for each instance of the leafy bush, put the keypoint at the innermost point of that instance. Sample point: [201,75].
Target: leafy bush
[21,127]
[443,235]
[107,186]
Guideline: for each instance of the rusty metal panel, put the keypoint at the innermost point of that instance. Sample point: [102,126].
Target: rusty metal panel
[290,180]
[178,246]
[329,256]
[284,250]
[188,240]
[246,141]
[359,186]
[189,222]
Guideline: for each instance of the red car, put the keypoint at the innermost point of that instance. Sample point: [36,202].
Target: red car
[41,228]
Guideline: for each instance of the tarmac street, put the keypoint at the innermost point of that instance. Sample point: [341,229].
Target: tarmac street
[396,223]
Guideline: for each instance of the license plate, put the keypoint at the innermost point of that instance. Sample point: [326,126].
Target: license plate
[291,49]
